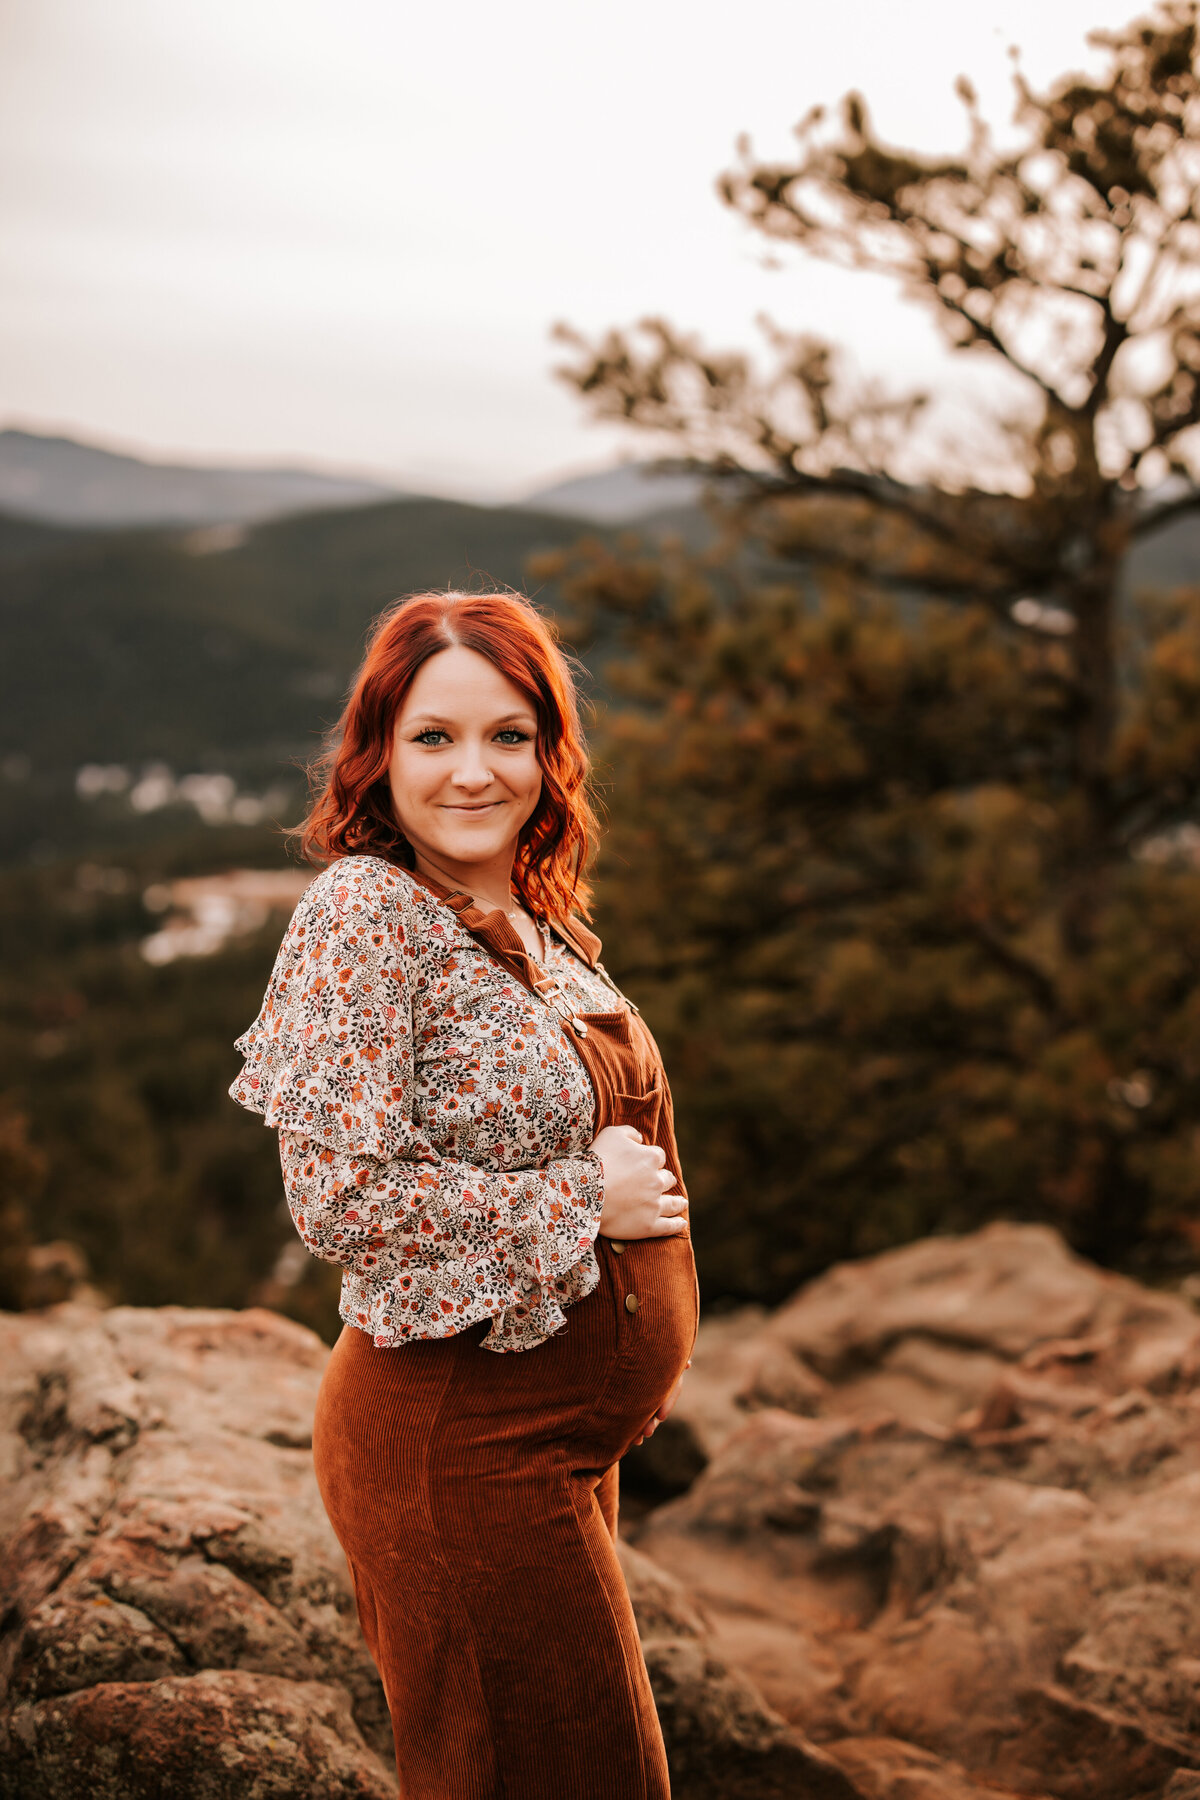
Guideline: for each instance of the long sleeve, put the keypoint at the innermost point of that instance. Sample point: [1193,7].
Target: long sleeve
[451,1243]
[434,1241]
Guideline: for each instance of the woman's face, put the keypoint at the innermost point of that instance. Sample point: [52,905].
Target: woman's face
[464,773]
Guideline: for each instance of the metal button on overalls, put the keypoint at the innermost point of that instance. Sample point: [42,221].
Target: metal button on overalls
[631,1303]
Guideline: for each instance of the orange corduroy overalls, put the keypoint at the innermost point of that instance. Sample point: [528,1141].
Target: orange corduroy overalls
[475,1497]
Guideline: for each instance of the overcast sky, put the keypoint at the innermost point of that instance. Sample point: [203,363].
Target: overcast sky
[339,231]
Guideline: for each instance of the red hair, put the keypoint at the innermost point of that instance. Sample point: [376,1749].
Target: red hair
[352,814]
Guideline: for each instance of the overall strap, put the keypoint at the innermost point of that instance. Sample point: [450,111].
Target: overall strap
[518,961]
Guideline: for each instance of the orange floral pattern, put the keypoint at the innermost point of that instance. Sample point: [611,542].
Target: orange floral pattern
[433,1118]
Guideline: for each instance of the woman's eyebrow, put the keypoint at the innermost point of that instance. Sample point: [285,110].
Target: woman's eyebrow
[436,719]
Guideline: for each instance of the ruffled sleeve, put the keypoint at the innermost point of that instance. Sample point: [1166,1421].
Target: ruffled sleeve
[330,1053]
[439,1242]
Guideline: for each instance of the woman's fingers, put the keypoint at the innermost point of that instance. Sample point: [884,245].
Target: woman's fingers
[668,1404]
[665,1410]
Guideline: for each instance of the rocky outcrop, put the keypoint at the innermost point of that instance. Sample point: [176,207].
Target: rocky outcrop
[177,1614]
[958,1544]
[178,1618]
[933,1534]
[723,1741]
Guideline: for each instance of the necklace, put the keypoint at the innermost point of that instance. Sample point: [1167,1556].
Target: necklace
[539,925]
[542,983]
[512,914]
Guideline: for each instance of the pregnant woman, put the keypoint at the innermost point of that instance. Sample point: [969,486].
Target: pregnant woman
[475,1123]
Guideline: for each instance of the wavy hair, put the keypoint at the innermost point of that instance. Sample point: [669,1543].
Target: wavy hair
[351,812]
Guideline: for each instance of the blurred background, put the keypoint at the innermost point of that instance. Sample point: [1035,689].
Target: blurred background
[852,444]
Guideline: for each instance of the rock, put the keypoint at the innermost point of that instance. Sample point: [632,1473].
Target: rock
[56,1272]
[1141,1653]
[889,1769]
[771,1374]
[1003,1289]
[737,1368]
[967,1556]
[664,1466]
[177,1613]
[216,1735]
[662,1605]
[1114,1755]
[938,1539]
[723,1741]
[997,1330]
[178,1617]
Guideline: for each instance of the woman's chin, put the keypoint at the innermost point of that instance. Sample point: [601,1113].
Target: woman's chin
[471,845]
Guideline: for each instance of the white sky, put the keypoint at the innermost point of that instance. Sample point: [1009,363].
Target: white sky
[338,231]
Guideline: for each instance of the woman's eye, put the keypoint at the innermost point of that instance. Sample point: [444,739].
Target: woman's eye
[509,734]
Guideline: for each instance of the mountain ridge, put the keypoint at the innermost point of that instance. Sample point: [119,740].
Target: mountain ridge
[67,481]
[61,480]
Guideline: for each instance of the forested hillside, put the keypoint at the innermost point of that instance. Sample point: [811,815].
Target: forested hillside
[206,651]
[227,650]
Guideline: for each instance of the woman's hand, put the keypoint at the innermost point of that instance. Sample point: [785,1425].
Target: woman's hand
[638,1202]
[652,1424]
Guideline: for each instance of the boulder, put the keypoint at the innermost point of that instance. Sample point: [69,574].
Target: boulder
[966,1557]
[178,1617]
[932,1532]
[209,1735]
[889,1769]
[723,1741]
[177,1613]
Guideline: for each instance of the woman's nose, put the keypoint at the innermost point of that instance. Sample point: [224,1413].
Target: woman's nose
[471,770]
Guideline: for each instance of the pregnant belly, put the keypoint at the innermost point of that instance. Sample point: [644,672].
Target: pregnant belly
[577,1401]
[624,1347]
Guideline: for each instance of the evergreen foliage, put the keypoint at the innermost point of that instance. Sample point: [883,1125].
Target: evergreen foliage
[840,873]
[916,885]
[116,1132]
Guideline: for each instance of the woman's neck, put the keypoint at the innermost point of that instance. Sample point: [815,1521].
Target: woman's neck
[489,883]
[480,883]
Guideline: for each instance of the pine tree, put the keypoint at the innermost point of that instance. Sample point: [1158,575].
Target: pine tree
[916,904]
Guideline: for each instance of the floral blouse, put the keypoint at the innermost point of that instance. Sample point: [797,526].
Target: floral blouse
[433,1118]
